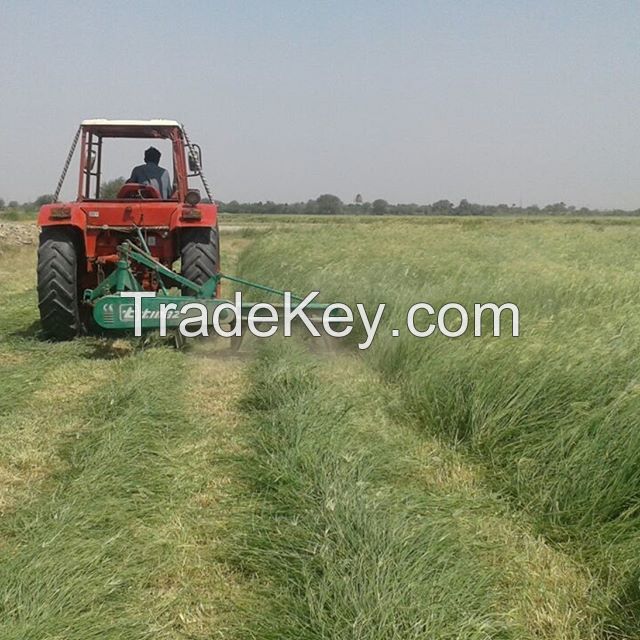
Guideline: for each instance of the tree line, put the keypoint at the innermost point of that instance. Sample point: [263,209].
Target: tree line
[329,204]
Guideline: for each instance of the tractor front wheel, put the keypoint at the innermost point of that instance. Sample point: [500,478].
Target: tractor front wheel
[199,255]
[58,287]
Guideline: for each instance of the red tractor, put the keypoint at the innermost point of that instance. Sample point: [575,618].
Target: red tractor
[79,239]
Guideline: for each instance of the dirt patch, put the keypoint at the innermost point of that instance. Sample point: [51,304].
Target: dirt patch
[18,233]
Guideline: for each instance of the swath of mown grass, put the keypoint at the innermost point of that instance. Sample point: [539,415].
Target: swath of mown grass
[38,383]
[121,546]
[35,420]
[73,556]
[552,415]
[111,483]
[361,531]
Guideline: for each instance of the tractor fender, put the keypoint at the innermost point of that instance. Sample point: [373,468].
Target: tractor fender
[62,214]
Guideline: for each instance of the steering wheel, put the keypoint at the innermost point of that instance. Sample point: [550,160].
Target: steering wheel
[135,190]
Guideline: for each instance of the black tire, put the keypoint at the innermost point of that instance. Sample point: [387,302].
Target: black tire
[58,291]
[199,255]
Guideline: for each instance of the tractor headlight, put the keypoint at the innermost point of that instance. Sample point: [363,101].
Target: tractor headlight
[193,197]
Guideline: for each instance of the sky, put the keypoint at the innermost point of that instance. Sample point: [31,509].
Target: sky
[407,100]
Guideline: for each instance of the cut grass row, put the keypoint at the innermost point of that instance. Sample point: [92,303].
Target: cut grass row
[112,483]
[122,543]
[364,529]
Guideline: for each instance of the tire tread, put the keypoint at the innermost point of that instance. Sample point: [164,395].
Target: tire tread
[199,255]
[58,285]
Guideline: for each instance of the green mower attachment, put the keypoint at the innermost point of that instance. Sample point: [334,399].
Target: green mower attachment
[113,310]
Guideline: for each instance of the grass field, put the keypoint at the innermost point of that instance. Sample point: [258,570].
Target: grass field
[468,488]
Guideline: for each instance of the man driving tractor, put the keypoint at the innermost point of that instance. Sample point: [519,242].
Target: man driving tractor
[153,174]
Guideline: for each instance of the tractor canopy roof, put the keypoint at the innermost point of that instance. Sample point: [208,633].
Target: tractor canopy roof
[131,128]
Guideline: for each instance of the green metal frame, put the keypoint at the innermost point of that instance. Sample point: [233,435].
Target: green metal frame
[113,311]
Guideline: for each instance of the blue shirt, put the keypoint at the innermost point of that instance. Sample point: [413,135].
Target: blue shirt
[154,175]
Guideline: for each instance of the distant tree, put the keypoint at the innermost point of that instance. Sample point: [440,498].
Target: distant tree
[109,189]
[47,198]
[13,204]
[1,203]
[271,207]
[464,208]
[380,207]
[231,207]
[296,207]
[556,208]
[311,207]
[358,198]
[329,204]
[442,208]
[410,209]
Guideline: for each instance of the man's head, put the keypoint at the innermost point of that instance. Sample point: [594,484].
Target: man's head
[152,155]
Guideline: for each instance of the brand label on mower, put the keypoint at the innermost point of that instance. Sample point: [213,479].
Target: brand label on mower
[127,314]
[113,314]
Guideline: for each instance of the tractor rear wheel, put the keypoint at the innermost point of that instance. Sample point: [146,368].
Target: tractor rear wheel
[199,255]
[58,290]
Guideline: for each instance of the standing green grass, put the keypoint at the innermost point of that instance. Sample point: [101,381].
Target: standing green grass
[551,416]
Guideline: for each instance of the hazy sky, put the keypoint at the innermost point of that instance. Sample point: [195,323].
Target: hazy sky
[410,100]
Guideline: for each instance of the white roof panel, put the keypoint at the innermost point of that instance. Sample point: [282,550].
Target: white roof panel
[131,123]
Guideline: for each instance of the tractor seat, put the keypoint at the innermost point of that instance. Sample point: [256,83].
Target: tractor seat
[136,191]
